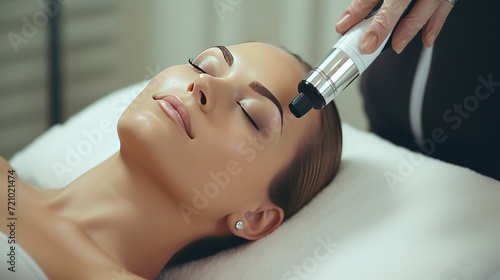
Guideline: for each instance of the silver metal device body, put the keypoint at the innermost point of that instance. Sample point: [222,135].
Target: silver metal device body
[333,75]
[343,63]
[338,69]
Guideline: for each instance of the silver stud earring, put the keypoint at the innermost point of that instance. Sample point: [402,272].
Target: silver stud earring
[239,225]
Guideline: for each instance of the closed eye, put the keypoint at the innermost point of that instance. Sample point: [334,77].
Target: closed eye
[248,117]
[195,66]
[199,69]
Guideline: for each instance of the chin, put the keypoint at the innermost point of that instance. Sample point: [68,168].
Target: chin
[152,141]
[141,133]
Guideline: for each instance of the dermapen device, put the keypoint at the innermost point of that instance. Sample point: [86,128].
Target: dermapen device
[342,65]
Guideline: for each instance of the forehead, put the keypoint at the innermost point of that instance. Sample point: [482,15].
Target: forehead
[276,69]
[281,73]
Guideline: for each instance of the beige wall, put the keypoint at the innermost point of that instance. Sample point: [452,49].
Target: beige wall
[110,44]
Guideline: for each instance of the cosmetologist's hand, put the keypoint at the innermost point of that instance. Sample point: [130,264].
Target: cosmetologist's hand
[427,14]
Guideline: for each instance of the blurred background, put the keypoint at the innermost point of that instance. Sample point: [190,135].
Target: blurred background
[59,56]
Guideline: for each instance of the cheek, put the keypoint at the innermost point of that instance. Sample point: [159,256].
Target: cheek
[145,124]
[219,149]
[245,160]
[153,141]
[173,78]
[239,182]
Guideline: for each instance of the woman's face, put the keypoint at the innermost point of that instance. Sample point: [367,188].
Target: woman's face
[216,133]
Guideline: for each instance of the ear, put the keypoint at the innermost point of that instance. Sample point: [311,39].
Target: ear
[258,223]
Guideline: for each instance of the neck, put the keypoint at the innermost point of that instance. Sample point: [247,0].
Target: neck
[127,215]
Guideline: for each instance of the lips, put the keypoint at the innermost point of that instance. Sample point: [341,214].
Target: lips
[177,111]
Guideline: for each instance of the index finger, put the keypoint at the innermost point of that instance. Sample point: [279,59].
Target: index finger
[354,13]
[382,24]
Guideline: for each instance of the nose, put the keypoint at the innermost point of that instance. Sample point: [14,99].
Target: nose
[210,92]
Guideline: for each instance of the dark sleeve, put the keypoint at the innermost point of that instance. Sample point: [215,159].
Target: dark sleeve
[461,107]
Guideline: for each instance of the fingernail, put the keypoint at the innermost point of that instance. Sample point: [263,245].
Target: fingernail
[399,47]
[369,43]
[431,39]
[342,23]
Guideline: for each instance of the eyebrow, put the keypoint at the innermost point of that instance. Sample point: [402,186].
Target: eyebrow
[228,56]
[262,90]
[256,86]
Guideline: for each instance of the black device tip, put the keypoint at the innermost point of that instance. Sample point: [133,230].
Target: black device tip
[300,105]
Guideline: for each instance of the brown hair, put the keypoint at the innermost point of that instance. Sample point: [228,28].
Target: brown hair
[310,171]
[315,164]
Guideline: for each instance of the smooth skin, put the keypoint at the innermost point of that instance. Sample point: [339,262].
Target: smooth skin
[427,14]
[123,217]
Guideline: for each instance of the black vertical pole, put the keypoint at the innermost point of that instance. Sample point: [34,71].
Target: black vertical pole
[55,96]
